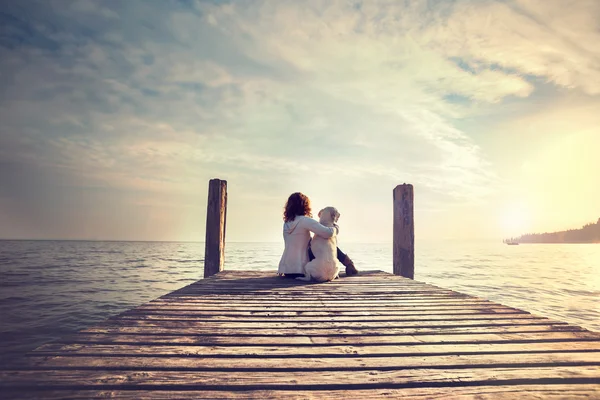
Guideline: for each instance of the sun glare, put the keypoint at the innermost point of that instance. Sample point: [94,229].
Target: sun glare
[515,220]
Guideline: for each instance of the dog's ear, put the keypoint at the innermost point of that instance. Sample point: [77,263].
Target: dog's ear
[335,215]
[319,214]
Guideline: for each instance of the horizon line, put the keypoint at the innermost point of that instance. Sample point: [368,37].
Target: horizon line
[226,241]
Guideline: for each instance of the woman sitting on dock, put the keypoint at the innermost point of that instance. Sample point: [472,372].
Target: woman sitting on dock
[298,224]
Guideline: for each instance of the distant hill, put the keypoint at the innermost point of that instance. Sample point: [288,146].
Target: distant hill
[589,233]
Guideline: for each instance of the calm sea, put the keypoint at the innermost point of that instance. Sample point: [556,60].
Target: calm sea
[51,288]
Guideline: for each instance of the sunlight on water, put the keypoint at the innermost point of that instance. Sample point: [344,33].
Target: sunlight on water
[50,289]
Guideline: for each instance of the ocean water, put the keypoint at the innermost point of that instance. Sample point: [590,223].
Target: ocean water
[51,288]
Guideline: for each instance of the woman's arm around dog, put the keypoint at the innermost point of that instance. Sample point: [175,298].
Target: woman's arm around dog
[318,229]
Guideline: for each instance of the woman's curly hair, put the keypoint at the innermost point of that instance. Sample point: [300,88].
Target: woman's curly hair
[297,204]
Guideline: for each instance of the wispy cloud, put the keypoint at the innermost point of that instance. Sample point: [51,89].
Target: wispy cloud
[154,98]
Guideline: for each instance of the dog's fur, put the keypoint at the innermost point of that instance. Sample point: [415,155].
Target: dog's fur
[324,267]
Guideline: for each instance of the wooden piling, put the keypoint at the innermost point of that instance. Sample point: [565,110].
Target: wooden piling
[216,216]
[404,231]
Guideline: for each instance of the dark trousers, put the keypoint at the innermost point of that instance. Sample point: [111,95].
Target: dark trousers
[340,255]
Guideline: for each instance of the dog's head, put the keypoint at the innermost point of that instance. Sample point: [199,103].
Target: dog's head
[329,216]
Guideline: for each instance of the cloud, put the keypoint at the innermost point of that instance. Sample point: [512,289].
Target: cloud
[529,37]
[155,98]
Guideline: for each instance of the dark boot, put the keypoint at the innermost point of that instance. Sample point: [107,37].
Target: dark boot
[350,268]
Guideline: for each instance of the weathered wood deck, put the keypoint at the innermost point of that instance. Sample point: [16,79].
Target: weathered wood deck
[243,334]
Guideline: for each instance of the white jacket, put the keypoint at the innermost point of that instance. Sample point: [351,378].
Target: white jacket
[296,235]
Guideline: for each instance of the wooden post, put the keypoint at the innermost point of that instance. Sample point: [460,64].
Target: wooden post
[216,215]
[404,232]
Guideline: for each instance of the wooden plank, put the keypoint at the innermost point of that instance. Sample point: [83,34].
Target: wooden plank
[324,303]
[178,349]
[270,278]
[388,332]
[129,334]
[330,304]
[327,288]
[278,286]
[274,286]
[275,311]
[300,380]
[495,392]
[139,361]
[273,323]
[318,313]
[329,307]
[335,296]
[266,316]
[299,309]
[374,314]
[335,292]
[277,289]
[472,329]
[247,334]
[245,293]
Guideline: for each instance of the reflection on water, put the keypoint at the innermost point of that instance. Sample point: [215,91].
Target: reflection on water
[50,289]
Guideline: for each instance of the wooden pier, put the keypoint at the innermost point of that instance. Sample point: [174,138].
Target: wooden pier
[243,334]
[254,335]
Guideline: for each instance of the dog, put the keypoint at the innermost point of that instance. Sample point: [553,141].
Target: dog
[324,267]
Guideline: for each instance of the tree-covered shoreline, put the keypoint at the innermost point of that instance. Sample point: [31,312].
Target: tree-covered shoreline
[589,233]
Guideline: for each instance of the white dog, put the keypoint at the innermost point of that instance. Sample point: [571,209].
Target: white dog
[324,267]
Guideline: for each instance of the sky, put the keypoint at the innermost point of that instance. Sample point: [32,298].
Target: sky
[114,115]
